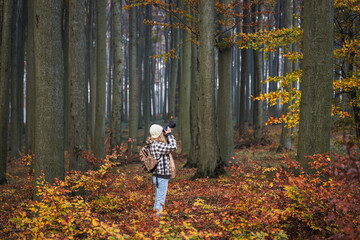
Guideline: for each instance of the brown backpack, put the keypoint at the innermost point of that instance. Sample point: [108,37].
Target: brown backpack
[147,161]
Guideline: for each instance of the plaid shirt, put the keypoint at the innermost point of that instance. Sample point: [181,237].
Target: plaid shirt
[160,151]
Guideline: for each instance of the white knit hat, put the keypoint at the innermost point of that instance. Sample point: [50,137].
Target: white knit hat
[155,130]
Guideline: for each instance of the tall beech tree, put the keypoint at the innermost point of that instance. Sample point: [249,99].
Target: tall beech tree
[78,133]
[285,138]
[175,39]
[210,164]
[17,75]
[258,79]
[4,85]
[99,141]
[194,155]
[147,75]
[316,86]
[65,42]
[92,71]
[225,124]
[118,75]
[244,75]
[184,106]
[133,86]
[30,77]
[49,112]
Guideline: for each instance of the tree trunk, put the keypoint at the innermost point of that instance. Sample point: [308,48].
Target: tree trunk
[99,147]
[110,67]
[249,112]
[118,74]
[210,162]
[258,106]
[194,155]
[258,84]
[316,87]
[244,78]
[140,29]
[78,134]
[152,85]
[237,70]
[184,106]
[30,79]
[17,80]
[65,41]
[175,37]
[92,72]
[126,84]
[49,102]
[147,79]
[4,85]
[285,138]
[225,124]
[242,93]
[166,76]
[21,96]
[133,86]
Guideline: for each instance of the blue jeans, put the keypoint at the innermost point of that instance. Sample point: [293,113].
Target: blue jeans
[161,187]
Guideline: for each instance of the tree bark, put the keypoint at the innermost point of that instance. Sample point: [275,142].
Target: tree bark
[17,80]
[166,76]
[194,155]
[285,138]
[92,72]
[118,74]
[210,162]
[140,54]
[184,106]
[49,102]
[78,133]
[258,105]
[21,73]
[244,77]
[175,38]
[147,79]
[225,124]
[258,84]
[242,94]
[99,146]
[65,41]
[316,87]
[30,78]
[133,86]
[4,86]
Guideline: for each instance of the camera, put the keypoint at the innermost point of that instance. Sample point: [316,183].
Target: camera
[170,125]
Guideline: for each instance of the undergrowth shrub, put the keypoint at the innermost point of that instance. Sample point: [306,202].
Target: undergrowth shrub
[252,202]
[18,189]
[64,214]
[276,203]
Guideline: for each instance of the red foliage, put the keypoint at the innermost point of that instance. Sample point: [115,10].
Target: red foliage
[252,201]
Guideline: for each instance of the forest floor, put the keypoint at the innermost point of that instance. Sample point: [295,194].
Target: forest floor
[259,197]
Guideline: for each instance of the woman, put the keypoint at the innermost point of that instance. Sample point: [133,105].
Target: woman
[162,143]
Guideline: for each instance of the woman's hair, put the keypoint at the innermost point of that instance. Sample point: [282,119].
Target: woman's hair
[160,138]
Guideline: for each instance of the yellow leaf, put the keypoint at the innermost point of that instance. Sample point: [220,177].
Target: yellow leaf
[95,222]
